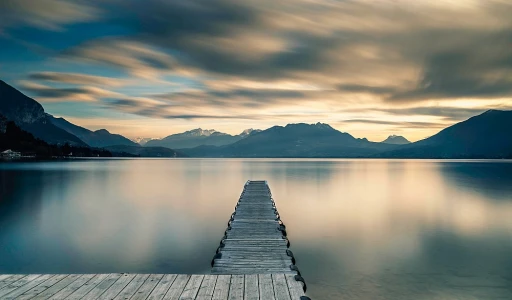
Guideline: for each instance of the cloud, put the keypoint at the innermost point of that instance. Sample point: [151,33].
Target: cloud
[45,14]
[77,78]
[448,113]
[135,57]
[398,51]
[480,68]
[396,123]
[154,109]
[355,88]
[66,94]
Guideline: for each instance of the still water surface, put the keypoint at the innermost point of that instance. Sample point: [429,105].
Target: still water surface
[360,229]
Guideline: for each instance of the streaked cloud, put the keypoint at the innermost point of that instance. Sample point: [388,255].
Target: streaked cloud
[78,79]
[45,93]
[46,14]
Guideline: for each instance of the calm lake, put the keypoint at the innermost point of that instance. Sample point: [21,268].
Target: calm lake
[360,229]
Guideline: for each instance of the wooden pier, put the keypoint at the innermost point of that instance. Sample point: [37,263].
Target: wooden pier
[253,262]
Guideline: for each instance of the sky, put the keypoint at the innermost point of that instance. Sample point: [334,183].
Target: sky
[150,68]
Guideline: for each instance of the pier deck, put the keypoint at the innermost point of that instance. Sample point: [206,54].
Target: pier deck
[253,262]
[255,241]
[150,286]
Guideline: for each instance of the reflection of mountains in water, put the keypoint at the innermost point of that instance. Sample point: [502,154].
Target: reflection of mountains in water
[491,179]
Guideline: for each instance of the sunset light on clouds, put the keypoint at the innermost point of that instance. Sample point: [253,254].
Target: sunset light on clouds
[156,67]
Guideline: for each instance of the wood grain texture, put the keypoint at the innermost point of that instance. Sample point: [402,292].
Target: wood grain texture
[221,291]
[152,286]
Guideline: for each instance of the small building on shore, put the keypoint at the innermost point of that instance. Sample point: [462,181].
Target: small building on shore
[10,154]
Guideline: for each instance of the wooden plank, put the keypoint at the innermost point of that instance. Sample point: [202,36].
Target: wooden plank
[26,287]
[134,285]
[119,285]
[17,284]
[162,287]
[192,287]
[103,286]
[10,279]
[248,271]
[280,287]
[177,287]
[222,287]
[295,287]
[236,289]
[73,286]
[41,287]
[54,289]
[87,287]
[266,287]
[207,287]
[147,287]
[251,291]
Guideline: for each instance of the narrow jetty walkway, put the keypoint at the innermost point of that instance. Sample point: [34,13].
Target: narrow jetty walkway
[255,241]
[253,262]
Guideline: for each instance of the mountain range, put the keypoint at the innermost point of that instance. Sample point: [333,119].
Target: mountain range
[487,135]
[295,140]
[99,138]
[199,137]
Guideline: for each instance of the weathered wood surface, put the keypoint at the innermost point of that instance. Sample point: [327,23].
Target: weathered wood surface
[151,286]
[255,241]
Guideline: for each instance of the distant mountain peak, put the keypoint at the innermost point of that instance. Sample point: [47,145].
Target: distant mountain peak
[200,132]
[396,140]
[248,132]
[317,125]
[323,126]
[141,140]
[103,131]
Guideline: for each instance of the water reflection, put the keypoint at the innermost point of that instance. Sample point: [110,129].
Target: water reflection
[361,229]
